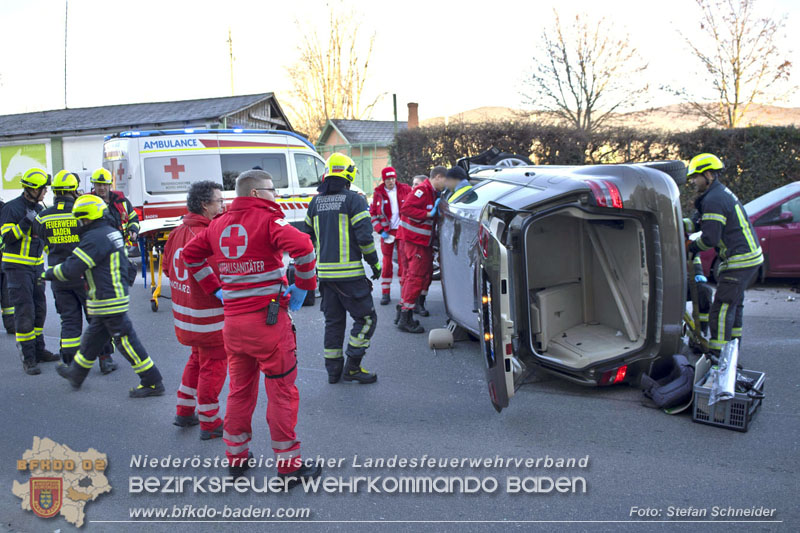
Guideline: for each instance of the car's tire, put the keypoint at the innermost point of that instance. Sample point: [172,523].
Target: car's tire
[675,169]
[506,155]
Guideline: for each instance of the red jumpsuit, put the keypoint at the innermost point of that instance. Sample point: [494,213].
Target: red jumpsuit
[416,232]
[247,243]
[198,324]
[381,215]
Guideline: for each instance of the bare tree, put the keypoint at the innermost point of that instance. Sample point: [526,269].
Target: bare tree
[584,73]
[741,59]
[329,77]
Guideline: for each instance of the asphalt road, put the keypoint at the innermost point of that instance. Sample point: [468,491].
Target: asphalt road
[435,405]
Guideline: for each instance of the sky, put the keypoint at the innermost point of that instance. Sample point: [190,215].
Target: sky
[447,56]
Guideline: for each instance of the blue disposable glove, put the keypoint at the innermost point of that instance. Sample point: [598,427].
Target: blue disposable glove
[296,297]
[432,212]
[384,235]
[218,294]
[700,279]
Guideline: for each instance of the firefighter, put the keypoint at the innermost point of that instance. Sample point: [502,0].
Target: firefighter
[417,216]
[23,260]
[458,186]
[59,229]
[339,223]
[704,292]
[198,318]
[385,213]
[120,209]
[5,304]
[247,242]
[126,220]
[101,257]
[725,227]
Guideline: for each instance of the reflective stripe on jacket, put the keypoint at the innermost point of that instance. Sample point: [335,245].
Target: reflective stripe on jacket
[340,226]
[22,248]
[381,208]
[415,224]
[101,258]
[247,242]
[726,227]
[199,317]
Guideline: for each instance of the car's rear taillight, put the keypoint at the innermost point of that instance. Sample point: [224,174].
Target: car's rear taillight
[483,241]
[605,193]
[616,375]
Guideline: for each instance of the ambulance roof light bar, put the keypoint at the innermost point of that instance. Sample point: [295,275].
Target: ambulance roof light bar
[191,131]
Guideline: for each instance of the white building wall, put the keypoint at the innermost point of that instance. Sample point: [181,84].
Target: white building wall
[83,153]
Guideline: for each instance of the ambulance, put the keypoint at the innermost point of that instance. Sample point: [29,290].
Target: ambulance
[155,169]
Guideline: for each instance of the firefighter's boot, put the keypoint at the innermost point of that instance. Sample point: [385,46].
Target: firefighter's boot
[72,373]
[46,356]
[353,371]
[334,368]
[107,365]
[419,308]
[408,324]
[143,391]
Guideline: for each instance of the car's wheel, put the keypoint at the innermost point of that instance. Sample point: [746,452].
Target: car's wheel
[506,159]
[675,169]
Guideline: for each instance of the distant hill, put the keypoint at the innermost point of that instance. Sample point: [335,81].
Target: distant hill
[669,118]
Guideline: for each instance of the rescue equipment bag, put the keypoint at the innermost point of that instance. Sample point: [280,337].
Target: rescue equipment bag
[670,384]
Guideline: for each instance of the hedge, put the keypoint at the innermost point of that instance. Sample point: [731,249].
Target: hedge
[758,159]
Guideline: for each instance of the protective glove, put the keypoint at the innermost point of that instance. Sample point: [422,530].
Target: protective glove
[26,222]
[296,297]
[700,279]
[432,212]
[384,235]
[376,270]
[133,236]
[218,294]
[48,275]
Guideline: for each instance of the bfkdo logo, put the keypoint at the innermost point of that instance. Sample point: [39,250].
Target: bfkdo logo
[62,481]
[46,495]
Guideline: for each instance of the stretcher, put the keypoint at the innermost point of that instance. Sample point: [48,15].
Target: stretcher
[153,236]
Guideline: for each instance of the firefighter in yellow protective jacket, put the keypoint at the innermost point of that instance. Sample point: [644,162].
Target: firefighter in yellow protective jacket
[23,263]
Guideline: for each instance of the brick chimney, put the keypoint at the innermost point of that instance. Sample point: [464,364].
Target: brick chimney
[413,116]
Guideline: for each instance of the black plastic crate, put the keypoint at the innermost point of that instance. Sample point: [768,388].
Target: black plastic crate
[736,413]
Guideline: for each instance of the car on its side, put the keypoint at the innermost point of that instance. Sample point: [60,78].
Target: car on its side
[776,220]
[575,270]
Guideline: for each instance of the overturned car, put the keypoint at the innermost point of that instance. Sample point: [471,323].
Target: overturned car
[577,271]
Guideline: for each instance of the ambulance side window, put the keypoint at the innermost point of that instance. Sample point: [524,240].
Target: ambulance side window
[310,170]
[235,164]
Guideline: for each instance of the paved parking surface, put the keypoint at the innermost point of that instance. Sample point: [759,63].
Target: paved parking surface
[432,405]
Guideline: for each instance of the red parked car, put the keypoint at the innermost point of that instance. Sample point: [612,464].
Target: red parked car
[776,218]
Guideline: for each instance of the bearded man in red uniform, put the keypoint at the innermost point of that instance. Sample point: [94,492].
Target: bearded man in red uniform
[247,243]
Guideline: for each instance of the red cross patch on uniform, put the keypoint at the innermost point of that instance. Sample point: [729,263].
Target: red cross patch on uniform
[233,241]
[281,222]
[418,193]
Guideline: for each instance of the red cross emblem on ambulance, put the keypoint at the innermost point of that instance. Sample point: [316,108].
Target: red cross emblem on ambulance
[233,241]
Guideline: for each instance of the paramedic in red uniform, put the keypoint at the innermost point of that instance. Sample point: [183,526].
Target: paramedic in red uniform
[247,242]
[417,216]
[198,318]
[385,214]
